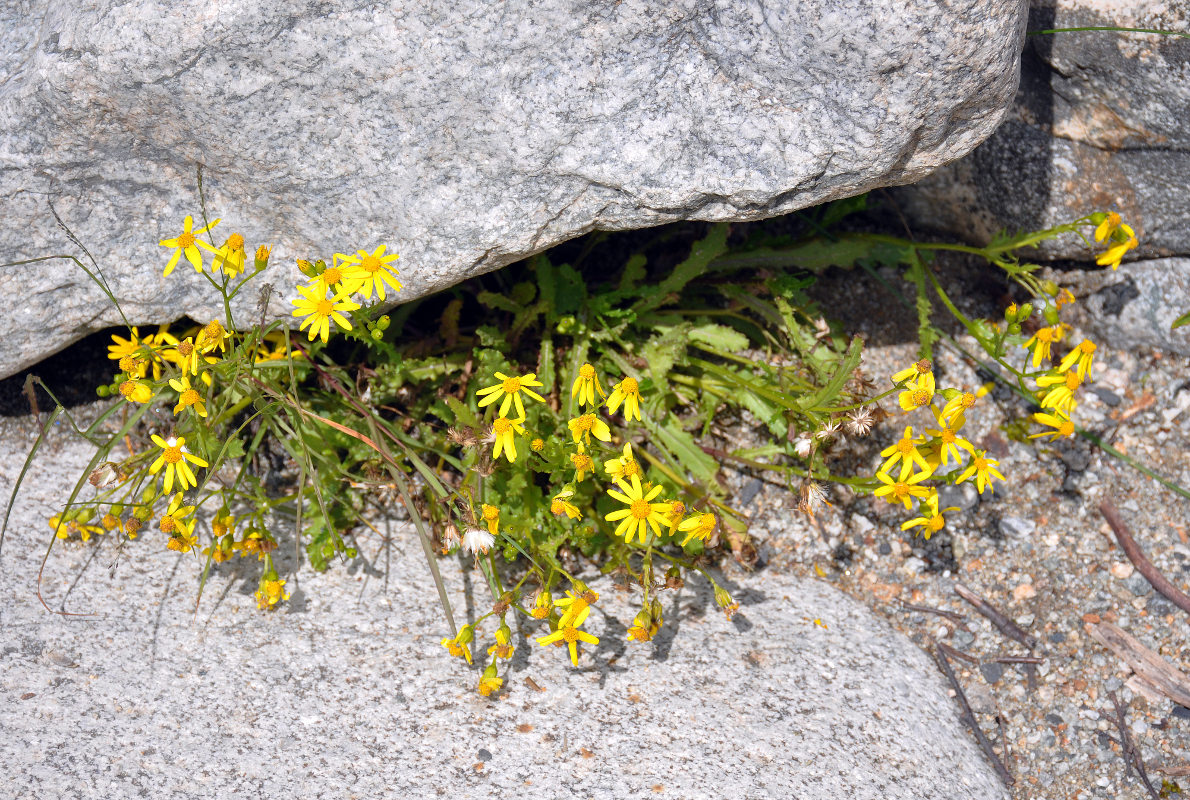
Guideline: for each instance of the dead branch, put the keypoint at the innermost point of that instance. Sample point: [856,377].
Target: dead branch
[1151,669]
[1140,561]
[1129,751]
[1002,622]
[968,717]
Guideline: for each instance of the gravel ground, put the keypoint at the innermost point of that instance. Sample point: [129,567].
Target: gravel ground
[1038,550]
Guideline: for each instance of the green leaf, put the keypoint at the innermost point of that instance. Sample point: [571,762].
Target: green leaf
[463,414]
[546,365]
[830,391]
[661,351]
[926,333]
[691,456]
[720,337]
[701,254]
[1180,321]
[634,272]
[498,302]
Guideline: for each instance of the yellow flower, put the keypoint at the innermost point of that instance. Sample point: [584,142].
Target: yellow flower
[537,445]
[271,591]
[459,646]
[174,457]
[334,276]
[213,336]
[371,270]
[561,505]
[502,433]
[136,392]
[1064,296]
[641,513]
[984,469]
[930,518]
[121,347]
[920,374]
[570,636]
[1082,355]
[1042,342]
[1111,221]
[542,606]
[586,385]
[627,392]
[1061,395]
[490,682]
[642,626]
[957,406]
[503,647]
[262,256]
[318,310]
[903,489]
[623,467]
[188,397]
[582,463]
[491,516]
[177,523]
[918,396]
[948,437]
[697,527]
[230,257]
[677,510]
[577,607]
[1113,255]
[904,450]
[1062,427]
[582,428]
[187,243]
[510,389]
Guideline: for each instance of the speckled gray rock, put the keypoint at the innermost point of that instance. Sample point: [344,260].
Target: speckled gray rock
[464,136]
[1135,305]
[347,691]
[1099,123]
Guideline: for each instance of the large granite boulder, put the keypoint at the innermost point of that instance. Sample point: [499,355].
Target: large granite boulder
[464,136]
[1099,123]
[345,691]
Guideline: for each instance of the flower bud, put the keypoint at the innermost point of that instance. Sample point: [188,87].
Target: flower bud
[1010,313]
[673,578]
[149,494]
[1025,312]
[1051,315]
[262,257]
[1051,288]
[1098,217]
[384,322]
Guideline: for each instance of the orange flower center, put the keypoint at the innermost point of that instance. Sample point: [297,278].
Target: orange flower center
[189,398]
[511,385]
[1067,428]
[186,240]
[324,308]
[172,455]
[185,347]
[167,524]
[968,400]
[947,436]
[490,512]
[557,507]
[1087,346]
[923,366]
[641,509]
[1045,335]
[921,397]
[584,423]
[900,490]
[586,371]
[502,426]
[981,464]
[905,446]
[235,242]
[1073,381]
[570,635]
[677,509]
[934,524]
[332,275]
[581,461]
[629,386]
[631,468]
[371,264]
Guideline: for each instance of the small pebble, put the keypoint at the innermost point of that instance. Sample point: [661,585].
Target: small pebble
[1057,637]
[1122,570]
[484,754]
[1054,719]
[1138,585]
[1016,526]
[992,672]
[1181,712]
[963,639]
[1025,620]
[1024,592]
[964,497]
[884,549]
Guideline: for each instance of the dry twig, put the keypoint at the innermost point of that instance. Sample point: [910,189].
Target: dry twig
[1143,565]
[1153,671]
[969,717]
[1003,623]
[1132,758]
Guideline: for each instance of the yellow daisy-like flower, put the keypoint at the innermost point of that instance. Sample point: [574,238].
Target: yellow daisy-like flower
[1060,424]
[491,517]
[174,457]
[623,467]
[918,396]
[905,451]
[1111,221]
[334,276]
[1115,254]
[490,683]
[503,430]
[586,385]
[319,310]
[570,636]
[958,406]
[698,527]
[187,243]
[503,647]
[136,392]
[230,258]
[1061,391]
[188,397]
[641,513]
[949,441]
[984,469]
[459,646]
[212,337]
[642,629]
[372,271]
[510,389]
[271,591]
[627,392]
[542,606]
[902,490]
[561,505]
[1042,342]
[677,510]
[1082,355]
[177,522]
[576,606]
[920,374]
[121,347]
[582,463]
[582,428]
[929,517]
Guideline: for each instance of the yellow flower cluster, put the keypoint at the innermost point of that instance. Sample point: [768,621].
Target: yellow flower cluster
[1119,237]
[327,296]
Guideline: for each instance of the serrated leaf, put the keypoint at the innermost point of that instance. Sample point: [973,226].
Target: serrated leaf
[830,391]
[713,245]
[691,456]
[463,414]
[720,337]
[498,302]
[634,272]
